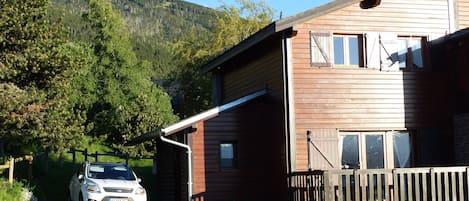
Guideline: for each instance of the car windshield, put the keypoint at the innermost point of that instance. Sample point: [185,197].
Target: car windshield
[110,171]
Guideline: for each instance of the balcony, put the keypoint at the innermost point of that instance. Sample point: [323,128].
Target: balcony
[402,184]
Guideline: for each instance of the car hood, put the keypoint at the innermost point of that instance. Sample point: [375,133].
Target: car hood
[115,183]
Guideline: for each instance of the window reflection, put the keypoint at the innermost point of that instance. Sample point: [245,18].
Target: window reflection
[374,151]
[401,150]
[353,50]
[350,152]
[339,50]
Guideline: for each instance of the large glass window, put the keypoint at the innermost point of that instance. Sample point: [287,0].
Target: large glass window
[347,51]
[350,152]
[375,150]
[401,146]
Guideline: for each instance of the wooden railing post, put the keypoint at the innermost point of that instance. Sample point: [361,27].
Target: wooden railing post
[11,170]
[30,165]
[328,186]
[73,155]
[96,156]
[85,153]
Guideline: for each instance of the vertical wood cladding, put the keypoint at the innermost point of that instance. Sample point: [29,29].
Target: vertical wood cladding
[257,131]
[367,99]
[258,68]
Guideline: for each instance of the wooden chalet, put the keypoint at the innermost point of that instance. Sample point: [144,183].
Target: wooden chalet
[347,85]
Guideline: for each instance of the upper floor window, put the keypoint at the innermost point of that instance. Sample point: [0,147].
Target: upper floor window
[410,52]
[348,50]
[384,51]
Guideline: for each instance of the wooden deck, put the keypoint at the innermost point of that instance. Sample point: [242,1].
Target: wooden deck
[403,184]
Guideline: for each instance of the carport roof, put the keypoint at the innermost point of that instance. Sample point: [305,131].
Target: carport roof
[186,123]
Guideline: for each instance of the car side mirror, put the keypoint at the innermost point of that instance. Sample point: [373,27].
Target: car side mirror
[80,177]
[139,180]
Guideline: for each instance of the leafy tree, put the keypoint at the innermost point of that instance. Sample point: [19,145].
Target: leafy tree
[128,103]
[232,25]
[35,62]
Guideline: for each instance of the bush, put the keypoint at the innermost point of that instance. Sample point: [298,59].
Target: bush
[14,192]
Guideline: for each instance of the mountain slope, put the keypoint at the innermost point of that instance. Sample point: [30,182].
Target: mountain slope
[153,24]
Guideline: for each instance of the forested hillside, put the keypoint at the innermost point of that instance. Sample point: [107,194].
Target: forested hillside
[68,69]
[153,24]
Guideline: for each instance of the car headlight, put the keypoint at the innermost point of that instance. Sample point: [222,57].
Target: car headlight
[140,191]
[92,187]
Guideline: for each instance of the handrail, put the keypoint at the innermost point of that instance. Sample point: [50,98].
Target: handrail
[10,165]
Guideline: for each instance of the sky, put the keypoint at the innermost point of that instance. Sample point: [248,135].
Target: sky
[287,7]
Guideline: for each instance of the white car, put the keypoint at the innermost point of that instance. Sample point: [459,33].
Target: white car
[105,182]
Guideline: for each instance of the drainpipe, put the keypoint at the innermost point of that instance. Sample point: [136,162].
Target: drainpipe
[451,17]
[289,106]
[189,163]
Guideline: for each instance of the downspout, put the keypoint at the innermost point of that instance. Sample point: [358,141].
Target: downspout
[451,17]
[189,163]
[289,109]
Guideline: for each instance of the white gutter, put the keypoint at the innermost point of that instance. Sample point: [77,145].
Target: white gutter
[189,163]
[451,16]
[210,113]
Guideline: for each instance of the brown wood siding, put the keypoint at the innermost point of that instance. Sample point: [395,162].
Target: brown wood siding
[198,162]
[264,70]
[257,130]
[367,99]
[463,13]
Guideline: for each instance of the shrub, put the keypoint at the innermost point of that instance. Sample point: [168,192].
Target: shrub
[14,192]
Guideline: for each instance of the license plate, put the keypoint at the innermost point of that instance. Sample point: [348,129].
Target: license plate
[118,199]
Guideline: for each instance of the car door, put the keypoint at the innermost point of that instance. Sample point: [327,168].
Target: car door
[75,183]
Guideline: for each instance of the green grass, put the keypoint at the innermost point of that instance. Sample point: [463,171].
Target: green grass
[51,176]
[10,192]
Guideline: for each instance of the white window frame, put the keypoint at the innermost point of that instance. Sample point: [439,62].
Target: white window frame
[388,146]
[346,49]
[409,55]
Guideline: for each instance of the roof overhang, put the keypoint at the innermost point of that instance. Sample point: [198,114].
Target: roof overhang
[211,113]
[273,28]
[189,122]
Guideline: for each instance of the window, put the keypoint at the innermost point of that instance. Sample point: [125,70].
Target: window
[410,52]
[348,50]
[375,150]
[228,155]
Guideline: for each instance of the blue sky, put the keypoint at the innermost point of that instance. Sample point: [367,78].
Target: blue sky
[287,7]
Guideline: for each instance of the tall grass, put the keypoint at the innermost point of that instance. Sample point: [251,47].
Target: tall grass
[11,192]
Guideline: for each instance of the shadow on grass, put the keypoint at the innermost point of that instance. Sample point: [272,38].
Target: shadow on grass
[51,177]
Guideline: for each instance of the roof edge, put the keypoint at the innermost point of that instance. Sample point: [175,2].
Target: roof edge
[312,13]
[255,38]
[210,113]
[181,125]
[275,27]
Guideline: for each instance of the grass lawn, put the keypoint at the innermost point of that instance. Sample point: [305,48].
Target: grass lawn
[52,185]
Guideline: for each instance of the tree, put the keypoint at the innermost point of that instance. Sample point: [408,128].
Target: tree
[128,103]
[232,25]
[35,62]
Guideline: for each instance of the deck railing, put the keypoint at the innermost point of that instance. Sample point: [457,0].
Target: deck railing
[308,185]
[404,184]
